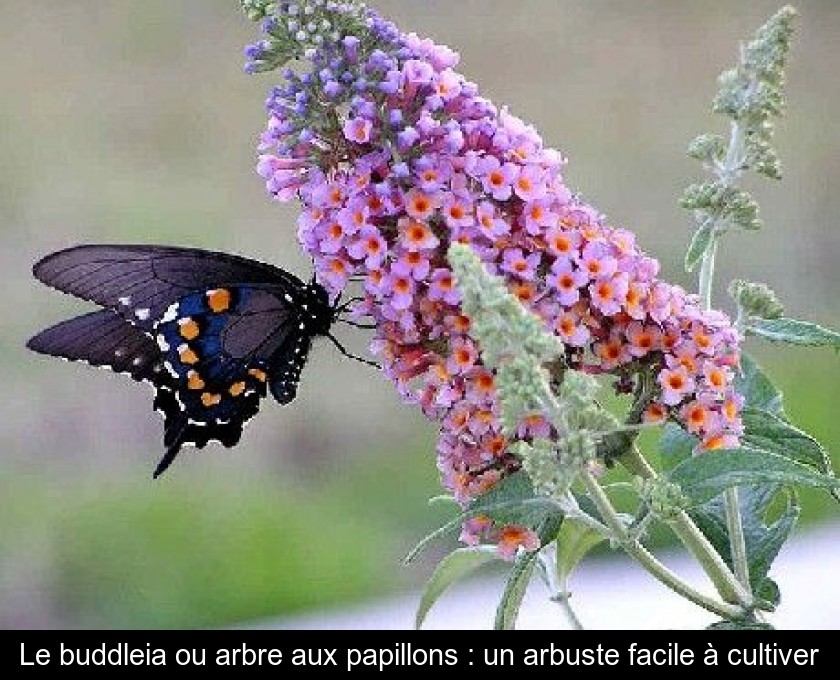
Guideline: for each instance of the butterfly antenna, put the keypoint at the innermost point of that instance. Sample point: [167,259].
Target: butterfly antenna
[352,356]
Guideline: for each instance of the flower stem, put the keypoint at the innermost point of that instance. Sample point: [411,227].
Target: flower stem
[726,583]
[658,570]
[737,542]
[728,173]
[562,599]
[558,587]
[707,273]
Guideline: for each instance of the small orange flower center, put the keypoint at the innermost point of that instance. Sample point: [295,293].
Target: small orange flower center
[457,211]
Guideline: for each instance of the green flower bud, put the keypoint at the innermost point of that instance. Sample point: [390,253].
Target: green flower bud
[756,299]
[664,499]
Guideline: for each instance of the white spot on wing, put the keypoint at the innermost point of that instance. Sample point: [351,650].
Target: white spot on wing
[142,314]
[170,370]
[125,301]
[171,313]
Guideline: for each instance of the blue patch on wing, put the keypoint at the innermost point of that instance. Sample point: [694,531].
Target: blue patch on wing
[211,386]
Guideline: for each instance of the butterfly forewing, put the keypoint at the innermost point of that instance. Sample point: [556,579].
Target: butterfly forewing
[140,282]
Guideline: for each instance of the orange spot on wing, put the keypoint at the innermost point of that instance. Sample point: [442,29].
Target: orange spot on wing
[187,356]
[194,381]
[237,388]
[189,329]
[258,374]
[218,300]
[209,399]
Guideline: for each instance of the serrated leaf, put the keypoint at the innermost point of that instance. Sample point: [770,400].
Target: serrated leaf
[757,389]
[703,477]
[766,431]
[455,566]
[761,540]
[793,332]
[574,541]
[676,445]
[700,243]
[515,587]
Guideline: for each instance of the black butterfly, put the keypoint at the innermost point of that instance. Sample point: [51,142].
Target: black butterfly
[212,332]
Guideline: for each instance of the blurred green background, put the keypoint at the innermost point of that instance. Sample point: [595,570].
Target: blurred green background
[133,122]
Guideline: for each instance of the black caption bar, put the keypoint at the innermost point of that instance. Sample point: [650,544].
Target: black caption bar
[354,651]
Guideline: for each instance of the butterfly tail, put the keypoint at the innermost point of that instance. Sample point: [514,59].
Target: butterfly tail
[166,461]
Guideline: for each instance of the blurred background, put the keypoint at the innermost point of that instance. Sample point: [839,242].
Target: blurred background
[134,122]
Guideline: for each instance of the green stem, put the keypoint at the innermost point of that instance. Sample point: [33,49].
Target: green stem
[737,540]
[707,273]
[658,570]
[562,599]
[725,582]
[558,586]
[735,529]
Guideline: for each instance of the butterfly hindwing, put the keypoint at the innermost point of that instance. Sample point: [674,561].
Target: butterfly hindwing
[211,332]
[102,338]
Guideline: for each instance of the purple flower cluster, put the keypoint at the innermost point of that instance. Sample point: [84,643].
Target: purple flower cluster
[394,155]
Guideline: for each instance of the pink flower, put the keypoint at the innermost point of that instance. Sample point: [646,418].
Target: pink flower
[357,130]
[512,538]
[421,160]
[676,383]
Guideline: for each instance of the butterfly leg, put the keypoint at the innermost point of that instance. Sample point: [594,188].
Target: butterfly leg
[356,324]
[352,356]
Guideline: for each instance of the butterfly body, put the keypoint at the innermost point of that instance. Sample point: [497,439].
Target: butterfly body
[212,332]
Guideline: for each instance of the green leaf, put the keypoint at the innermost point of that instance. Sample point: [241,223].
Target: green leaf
[768,432]
[512,501]
[762,540]
[758,390]
[456,565]
[740,625]
[793,332]
[700,243]
[574,541]
[703,477]
[515,587]
[676,445]
[441,531]
[767,590]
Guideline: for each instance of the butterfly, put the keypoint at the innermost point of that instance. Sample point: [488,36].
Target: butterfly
[212,332]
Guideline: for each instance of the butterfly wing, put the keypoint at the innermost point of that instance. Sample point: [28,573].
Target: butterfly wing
[210,331]
[102,338]
[141,281]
